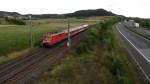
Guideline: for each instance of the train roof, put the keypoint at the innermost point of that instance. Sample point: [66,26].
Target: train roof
[75,28]
[66,30]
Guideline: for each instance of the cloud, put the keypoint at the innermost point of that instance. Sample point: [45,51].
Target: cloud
[135,8]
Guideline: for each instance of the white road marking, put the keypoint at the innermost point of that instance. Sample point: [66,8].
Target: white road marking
[134,46]
[138,51]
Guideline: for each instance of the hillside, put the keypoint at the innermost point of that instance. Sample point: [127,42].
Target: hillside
[88,13]
[80,13]
[4,13]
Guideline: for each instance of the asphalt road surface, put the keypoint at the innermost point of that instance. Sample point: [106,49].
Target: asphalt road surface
[138,47]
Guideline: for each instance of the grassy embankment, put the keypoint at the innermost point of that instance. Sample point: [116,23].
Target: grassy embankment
[100,58]
[15,38]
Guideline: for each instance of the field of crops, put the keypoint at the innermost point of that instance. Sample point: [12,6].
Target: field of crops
[16,37]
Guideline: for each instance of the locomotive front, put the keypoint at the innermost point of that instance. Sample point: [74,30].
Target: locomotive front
[47,40]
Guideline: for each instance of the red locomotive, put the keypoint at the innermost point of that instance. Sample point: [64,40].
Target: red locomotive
[53,38]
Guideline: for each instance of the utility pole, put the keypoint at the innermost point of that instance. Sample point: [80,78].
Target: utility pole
[69,40]
[31,32]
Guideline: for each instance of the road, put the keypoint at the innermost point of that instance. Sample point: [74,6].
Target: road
[138,47]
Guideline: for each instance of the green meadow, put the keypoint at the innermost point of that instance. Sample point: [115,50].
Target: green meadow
[17,37]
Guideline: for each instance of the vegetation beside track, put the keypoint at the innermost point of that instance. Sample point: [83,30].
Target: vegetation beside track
[100,58]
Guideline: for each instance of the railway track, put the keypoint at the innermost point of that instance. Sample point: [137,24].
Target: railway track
[13,69]
[41,58]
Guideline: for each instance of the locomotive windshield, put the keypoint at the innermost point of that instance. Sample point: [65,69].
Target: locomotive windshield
[52,32]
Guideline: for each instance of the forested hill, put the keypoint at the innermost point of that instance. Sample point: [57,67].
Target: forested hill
[4,13]
[88,13]
[80,13]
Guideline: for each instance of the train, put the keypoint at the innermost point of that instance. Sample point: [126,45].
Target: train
[52,38]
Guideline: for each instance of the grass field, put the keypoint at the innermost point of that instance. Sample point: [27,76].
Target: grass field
[16,37]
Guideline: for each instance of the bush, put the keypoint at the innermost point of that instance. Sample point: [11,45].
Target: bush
[124,80]
[15,21]
[64,73]
[88,42]
[81,48]
[115,67]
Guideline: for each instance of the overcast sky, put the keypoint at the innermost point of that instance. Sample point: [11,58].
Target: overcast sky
[134,8]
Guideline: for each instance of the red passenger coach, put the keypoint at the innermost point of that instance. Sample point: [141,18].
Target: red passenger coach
[53,38]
